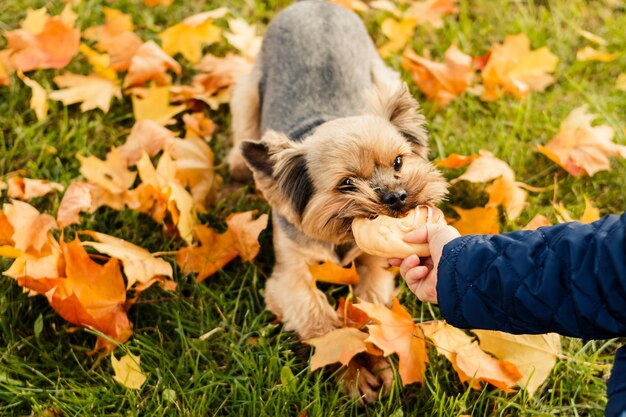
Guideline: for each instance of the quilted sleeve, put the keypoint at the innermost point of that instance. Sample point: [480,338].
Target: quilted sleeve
[569,278]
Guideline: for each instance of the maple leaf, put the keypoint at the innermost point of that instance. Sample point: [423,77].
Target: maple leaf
[153,3]
[111,175]
[399,33]
[340,345]
[218,249]
[397,333]
[91,90]
[198,126]
[431,11]
[589,54]
[533,355]
[101,63]
[52,46]
[27,188]
[242,36]
[6,230]
[513,68]
[47,263]
[590,215]
[127,371]
[121,49]
[472,364]
[479,220]
[188,36]
[116,23]
[145,136]
[537,222]
[78,197]
[139,264]
[354,5]
[334,274]
[351,316]
[582,149]
[88,295]
[154,104]
[440,82]
[30,228]
[39,99]
[454,161]
[150,63]
[5,67]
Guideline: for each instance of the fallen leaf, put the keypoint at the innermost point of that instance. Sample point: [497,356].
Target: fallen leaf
[387,6]
[397,333]
[399,33]
[78,197]
[440,82]
[334,274]
[351,316]
[477,221]
[127,371]
[246,231]
[116,23]
[507,193]
[139,264]
[101,63]
[589,54]
[431,11]
[188,36]
[454,161]
[592,37]
[533,355]
[154,105]
[153,3]
[582,149]
[111,174]
[198,126]
[39,99]
[536,222]
[27,188]
[121,49]
[354,5]
[515,69]
[91,91]
[5,67]
[35,20]
[145,136]
[242,36]
[150,63]
[590,215]
[6,230]
[30,228]
[472,364]
[620,83]
[340,345]
[89,295]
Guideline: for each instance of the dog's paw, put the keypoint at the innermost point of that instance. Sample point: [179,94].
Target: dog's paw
[366,378]
[237,166]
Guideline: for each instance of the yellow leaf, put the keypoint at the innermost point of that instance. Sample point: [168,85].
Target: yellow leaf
[188,36]
[30,228]
[39,100]
[242,36]
[5,67]
[334,274]
[340,345]
[479,220]
[537,222]
[78,197]
[590,54]
[399,33]
[154,105]
[27,188]
[620,83]
[533,355]
[507,193]
[431,11]
[110,174]
[592,37]
[35,20]
[145,136]
[101,62]
[246,233]
[91,91]
[127,371]
[150,63]
[590,215]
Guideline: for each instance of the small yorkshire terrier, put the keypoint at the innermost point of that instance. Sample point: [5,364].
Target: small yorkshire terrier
[330,134]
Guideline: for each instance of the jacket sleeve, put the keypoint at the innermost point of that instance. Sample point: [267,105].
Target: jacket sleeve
[569,278]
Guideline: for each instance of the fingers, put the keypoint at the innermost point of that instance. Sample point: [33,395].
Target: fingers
[419,235]
[409,262]
[395,261]
[416,274]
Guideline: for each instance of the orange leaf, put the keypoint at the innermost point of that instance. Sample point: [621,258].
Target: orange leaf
[198,126]
[145,136]
[431,11]
[215,251]
[479,220]
[396,333]
[150,63]
[334,274]
[5,67]
[515,69]
[27,188]
[153,3]
[30,228]
[350,315]
[589,54]
[537,222]
[582,149]
[340,345]
[78,197]
[91,295]
[188,36]
[115,24]
[440,82]
[454,161]
[6,230]
[246,233]
[121,49]
[47,263]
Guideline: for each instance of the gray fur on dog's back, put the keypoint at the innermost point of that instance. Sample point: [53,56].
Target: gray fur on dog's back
[316,63]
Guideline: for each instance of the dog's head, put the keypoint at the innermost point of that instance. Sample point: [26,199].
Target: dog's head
[359,166]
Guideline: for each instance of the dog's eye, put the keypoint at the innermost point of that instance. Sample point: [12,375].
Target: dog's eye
[347,184]
[397,163]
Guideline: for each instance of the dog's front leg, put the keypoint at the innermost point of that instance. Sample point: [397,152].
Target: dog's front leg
[376,280]
[291,294]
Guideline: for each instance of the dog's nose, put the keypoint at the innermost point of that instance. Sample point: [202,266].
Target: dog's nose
[395,199]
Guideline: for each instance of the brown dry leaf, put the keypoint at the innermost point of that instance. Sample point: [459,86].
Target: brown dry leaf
[351,316]
[89,295]
[472,364]
[52,45]
[440,82]
[145,136]
[78,197]
[582,149]
[454,161]
[188,37]
[127,371]
[91,91]
[515,69]
[39,99]
[334,274]
[479,220]
[154,104]
[27,188]
[121,49]
[590,215]
[396,333]
[340,345]
[198,126]
[139,264]
[431,11]
[150,63]
[5,67]
[589,54]
[246,231]
[243,37]
[533,355]
[536,222]
[30,228]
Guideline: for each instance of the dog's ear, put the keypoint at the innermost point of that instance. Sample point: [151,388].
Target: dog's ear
[262,156]
[396,104]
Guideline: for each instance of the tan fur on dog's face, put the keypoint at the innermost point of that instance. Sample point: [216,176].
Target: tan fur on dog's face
[306,181]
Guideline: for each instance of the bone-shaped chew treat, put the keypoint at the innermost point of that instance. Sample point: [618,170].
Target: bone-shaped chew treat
[382,236]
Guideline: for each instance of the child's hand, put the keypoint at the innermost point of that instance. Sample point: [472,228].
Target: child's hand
[421,274]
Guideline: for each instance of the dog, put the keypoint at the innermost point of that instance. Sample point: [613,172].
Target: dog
[329,133]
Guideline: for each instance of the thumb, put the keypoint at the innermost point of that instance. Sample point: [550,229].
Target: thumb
[419,235]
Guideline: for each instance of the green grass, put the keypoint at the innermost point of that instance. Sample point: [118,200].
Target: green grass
[249,366]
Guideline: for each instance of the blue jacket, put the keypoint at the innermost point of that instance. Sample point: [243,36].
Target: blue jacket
[569,278]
